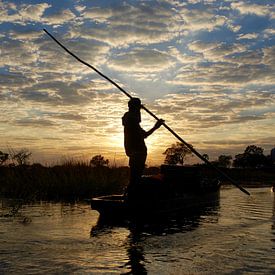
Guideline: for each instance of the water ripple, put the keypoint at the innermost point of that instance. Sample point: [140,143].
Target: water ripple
[237,236]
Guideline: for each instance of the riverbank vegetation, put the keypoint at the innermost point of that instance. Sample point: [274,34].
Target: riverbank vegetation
[69,181]
[74,180]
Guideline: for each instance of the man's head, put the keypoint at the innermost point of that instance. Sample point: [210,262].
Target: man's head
[134,104]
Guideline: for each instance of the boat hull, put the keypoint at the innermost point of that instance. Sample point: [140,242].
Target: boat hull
[117,206]
[174,190]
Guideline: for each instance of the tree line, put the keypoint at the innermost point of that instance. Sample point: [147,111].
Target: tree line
[15,157]
[252,157]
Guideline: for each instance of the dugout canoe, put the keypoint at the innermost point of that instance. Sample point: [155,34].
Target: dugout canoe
[176,189]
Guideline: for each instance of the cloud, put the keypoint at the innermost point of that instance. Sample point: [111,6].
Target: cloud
[202,19]
[250,57]
[269,33]
[269,57]
[34,122]
[226,64]
[17,53]
[124,36]
[9,81]
[215,109]
[100,15]
[228,74]
[94,123]
[40,96]
[219,80]
[37,70]
[249,8]
[22,13]
[26,13]
[141,60]
[55,93]
[80,8]
[216,51]
[140,24]
[33,12]
[69,116]
[230,120]
[59,18]
[24,35]
[184,58]
[248,36]
[54,59]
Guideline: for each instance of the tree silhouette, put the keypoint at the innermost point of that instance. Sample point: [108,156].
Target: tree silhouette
[224,161]
[176,154]
[21,157]
[251,158]
[3,157]
[99,161]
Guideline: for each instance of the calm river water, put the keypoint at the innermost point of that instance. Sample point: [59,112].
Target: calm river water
[236,236]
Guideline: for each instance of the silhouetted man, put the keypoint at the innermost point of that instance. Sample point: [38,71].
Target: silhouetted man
[272,154]
[134,136]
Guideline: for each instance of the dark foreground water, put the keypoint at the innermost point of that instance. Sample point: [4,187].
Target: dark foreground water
[234,236]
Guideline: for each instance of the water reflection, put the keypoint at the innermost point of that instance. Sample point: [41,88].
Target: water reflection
[140,230]
[236,235]
[135,252]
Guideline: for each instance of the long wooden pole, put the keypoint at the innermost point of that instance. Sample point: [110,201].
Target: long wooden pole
[153,115]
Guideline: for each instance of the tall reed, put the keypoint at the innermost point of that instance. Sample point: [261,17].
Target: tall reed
[69,181]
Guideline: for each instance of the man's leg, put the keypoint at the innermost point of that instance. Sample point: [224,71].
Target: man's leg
[137,164]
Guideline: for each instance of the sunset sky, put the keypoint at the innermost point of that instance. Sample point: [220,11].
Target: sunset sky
[206,67]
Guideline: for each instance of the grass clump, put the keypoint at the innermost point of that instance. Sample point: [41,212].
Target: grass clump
[69,181]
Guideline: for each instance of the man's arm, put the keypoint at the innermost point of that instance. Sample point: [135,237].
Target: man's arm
[156,126]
